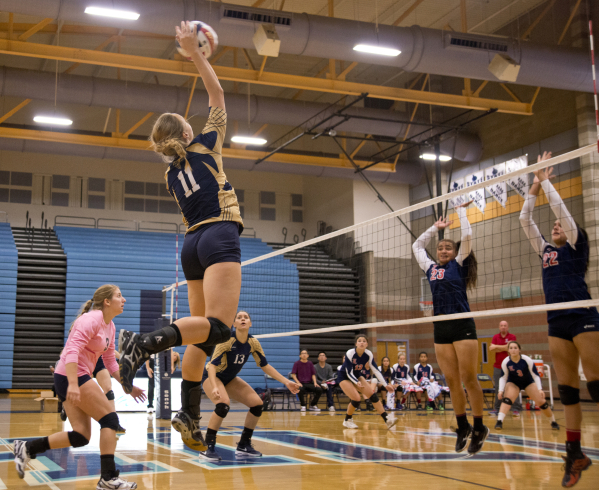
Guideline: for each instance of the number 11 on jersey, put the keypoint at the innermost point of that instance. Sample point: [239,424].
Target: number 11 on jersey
[194,185]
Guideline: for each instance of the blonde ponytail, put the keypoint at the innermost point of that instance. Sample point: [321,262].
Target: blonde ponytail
[167,138]
[97,302]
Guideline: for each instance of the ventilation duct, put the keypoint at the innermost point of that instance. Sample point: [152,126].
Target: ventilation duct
[422,50]
[88,91]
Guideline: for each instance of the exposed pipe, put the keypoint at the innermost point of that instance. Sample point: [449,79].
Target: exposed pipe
[423,50]
[407,173]
[88,91]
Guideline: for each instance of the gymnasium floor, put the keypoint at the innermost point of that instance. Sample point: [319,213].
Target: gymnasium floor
[305,451]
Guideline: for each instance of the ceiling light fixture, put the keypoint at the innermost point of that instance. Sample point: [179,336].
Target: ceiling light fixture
[432,156]
[248,140]
[365,48]
[119,14]
[59,121]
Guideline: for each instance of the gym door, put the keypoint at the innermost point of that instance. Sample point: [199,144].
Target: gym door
[486,358]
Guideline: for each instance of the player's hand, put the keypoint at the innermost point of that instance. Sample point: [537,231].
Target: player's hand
[73,394]
[216,392]
[150,373]
[138,394]
[500,395]
[542,394]
[390,388]
[187,37]
[360,385]
[544,173]
[293,387]
[466,204]
[443,223]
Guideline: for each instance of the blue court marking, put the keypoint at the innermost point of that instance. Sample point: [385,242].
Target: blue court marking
[229,461]
[344,452]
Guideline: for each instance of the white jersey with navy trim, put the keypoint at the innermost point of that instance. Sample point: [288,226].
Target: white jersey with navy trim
[357,365]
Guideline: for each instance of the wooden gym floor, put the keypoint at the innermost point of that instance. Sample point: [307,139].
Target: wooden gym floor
[305,451]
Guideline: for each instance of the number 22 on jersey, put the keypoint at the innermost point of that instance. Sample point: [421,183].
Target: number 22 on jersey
[550,259]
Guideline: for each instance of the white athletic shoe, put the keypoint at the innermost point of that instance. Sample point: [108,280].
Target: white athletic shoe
[350,424]
[390,422]
[115,483]
[314,408]
[331,408]
[303,409]
[21,457]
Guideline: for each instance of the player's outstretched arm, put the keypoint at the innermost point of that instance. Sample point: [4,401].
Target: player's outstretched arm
[530,228]
[419,248]
[273,373]
[186,35]
[466,233]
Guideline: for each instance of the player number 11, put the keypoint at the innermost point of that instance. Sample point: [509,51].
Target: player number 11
[194,184]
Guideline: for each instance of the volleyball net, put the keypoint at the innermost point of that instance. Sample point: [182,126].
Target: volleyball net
[366,276]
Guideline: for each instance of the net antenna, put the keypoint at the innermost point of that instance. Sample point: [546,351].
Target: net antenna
[594,79]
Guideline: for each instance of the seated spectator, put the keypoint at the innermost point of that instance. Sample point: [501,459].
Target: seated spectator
[324,375]
[403,380]
[387,372]
[304,374]
[422,370]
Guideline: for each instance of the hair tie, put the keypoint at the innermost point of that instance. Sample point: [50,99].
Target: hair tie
[92,300]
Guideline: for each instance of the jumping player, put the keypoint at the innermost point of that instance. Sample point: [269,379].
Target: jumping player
[455,340]
[520,373]
[352,380]
[211,255]
[573,333]
[220,382]
[92,335]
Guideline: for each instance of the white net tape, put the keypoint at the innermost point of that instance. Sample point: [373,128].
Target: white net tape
[399,247]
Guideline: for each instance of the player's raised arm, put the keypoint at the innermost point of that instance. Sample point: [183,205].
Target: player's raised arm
[528,225]
[186,35]
[466,233]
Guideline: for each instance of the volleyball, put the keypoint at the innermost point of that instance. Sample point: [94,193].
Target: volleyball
[207,40]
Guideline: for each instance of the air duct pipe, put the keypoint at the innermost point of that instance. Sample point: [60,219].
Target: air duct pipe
[423,50]
[101,92]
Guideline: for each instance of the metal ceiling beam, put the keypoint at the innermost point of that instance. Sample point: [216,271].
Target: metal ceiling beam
[133,62]
[81,30]
[136,144]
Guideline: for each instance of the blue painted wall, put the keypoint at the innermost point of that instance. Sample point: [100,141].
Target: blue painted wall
[9,260]
[142,262]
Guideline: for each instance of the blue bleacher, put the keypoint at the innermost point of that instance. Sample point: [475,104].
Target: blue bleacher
[9,260]
[143,261]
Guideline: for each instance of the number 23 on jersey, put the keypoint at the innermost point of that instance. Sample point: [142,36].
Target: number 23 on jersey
[437,273]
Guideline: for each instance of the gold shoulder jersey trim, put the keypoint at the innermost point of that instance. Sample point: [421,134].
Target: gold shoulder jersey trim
[221,350]
[256,348]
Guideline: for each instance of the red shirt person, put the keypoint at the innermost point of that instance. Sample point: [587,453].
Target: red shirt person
[499,345]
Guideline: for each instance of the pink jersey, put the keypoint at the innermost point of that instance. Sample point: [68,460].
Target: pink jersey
[89,339]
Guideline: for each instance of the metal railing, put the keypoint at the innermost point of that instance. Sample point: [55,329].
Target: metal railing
[83,221]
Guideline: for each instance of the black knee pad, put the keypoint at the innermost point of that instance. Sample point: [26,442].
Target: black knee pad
[110,395]
[593,387]
[355,403]
[222,409]
[110,421]
[568,394]
[219,332]
[545,406]
[257,410]
[507,401]
[77,440]
[374,398]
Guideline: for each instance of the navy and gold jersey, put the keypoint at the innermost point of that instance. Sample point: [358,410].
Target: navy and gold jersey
[229,357]
[198,183]
[448,285]
[564,271]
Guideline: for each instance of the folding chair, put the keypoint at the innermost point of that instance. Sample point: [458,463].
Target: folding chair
[282,392]
[488,392]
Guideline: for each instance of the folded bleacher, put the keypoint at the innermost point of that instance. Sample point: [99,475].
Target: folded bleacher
[141,263]
[9,260]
